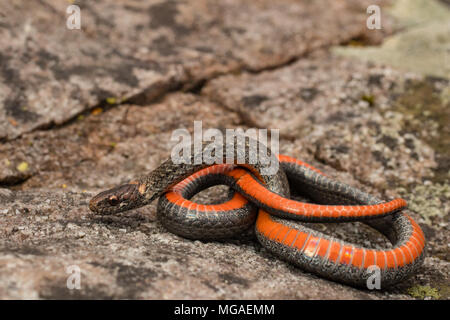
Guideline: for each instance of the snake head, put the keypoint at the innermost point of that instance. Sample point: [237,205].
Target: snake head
[118,199]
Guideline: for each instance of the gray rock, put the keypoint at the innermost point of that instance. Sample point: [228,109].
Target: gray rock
[139,50]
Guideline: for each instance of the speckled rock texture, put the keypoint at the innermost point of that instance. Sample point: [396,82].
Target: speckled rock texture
[140,49]
[84,110]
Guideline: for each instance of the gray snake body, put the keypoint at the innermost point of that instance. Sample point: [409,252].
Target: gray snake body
[277,220]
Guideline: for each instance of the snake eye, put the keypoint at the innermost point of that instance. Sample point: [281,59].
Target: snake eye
[113,201]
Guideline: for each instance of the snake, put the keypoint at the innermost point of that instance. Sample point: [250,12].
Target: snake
[263,202]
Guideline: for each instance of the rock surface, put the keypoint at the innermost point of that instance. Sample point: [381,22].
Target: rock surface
[83,110]
[421,45]
[139,50]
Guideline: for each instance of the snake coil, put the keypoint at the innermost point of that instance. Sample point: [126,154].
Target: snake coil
[266,199]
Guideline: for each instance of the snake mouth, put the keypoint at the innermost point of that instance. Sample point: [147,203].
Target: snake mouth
[100,203]
[94,203]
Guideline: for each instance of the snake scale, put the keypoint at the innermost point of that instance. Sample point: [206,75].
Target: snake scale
[266,199]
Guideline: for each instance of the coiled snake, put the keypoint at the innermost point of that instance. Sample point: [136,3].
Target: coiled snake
[277,227]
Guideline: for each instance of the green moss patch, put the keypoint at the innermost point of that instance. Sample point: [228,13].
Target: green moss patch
[422,292]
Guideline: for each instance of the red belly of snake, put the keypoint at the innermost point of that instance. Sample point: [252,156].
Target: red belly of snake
[302,246]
